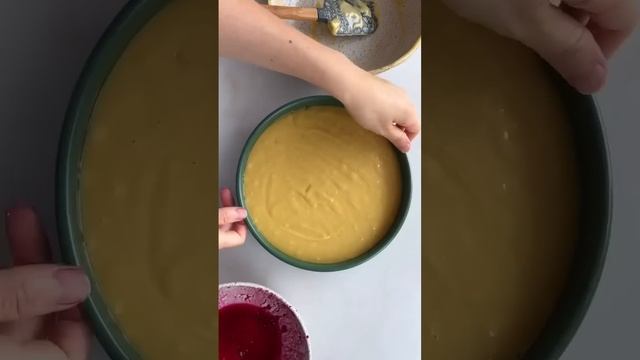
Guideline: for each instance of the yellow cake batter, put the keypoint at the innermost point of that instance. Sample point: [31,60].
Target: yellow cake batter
[500,193]
[148,186]
[320,188]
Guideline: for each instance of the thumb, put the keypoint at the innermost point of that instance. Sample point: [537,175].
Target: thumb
[35,290]
[398,138]
[230,215]
[568,46]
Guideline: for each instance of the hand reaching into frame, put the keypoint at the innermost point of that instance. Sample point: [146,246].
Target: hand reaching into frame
[39,314]
[232,230]
[576,37]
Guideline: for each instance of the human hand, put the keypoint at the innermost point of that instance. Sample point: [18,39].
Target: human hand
[231,229]
[39,314]
[576,37]
[250,33]
[379,106]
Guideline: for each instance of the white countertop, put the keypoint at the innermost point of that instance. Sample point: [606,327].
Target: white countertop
[43,45]
[371,311]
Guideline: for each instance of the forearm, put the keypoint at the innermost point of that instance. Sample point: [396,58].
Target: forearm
[250,33]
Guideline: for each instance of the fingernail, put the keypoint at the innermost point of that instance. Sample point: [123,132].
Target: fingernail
[75,285]
[242,213]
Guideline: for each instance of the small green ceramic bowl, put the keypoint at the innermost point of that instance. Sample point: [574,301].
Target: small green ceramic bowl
[393,230]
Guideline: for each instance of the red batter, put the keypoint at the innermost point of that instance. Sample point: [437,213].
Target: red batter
[248,332]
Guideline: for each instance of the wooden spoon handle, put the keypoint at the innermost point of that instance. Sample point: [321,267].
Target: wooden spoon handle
[294,13]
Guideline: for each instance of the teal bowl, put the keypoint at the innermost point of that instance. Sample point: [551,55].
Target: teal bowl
[343,265]
[131,19]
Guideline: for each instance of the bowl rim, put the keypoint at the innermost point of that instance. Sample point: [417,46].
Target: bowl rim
[399,60]
[594,176]
[403,210]
[125,26]
[280,298]
[404,57]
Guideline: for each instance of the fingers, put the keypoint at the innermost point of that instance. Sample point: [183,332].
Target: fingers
[579,37]
[230,215]
[611,21]
[232,238]
[399,138]
[26,237]
[241,229]
[71,333]
[69,340]
[24,330]
[34,350]
[410,124]
[226,198]
[233,231]
[581,16]
[568,46]
[35,290]
[406,124]
[28,245]
[27,292]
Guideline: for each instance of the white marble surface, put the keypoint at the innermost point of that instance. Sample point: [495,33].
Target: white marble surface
[371,311]
[43,45]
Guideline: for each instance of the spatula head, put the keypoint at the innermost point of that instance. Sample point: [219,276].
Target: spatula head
[348,17]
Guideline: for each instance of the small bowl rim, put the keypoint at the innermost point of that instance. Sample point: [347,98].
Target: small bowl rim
[403,210]
[278,296]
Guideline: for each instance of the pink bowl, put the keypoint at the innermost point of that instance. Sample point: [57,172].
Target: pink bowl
[295,342]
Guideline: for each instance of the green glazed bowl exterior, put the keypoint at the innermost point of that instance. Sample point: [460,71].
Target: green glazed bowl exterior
[395,227]
[125,26]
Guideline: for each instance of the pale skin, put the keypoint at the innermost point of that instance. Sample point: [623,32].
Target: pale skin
[231,229]
[39,314]
[251,34]
[576,37]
